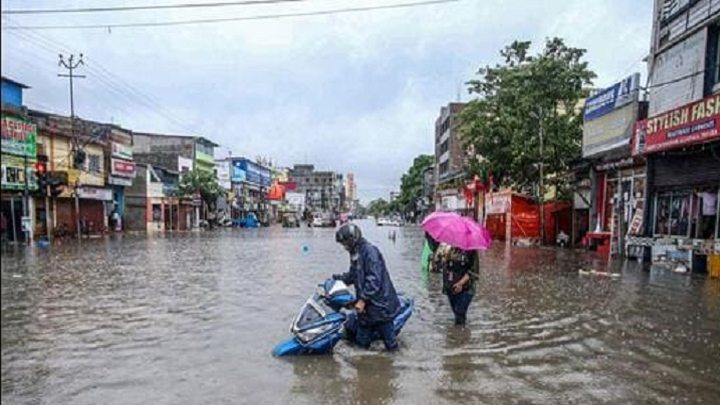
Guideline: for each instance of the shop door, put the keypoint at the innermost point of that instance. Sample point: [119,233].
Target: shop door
[12,220]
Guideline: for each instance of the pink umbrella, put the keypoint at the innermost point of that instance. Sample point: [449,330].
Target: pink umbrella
[456,230]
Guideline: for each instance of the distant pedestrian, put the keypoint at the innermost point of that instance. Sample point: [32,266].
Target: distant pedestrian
[117,221]
[457,267]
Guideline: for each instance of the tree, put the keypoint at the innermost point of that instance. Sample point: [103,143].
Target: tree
[378,208]
[204,182]
[412,184]
[517,97]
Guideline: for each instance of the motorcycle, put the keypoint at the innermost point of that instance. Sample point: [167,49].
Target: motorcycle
[327,317]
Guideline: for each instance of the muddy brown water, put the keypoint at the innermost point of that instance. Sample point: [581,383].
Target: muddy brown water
[192,318]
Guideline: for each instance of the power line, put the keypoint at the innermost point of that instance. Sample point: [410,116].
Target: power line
[109,80]
[230,19]
[144,8]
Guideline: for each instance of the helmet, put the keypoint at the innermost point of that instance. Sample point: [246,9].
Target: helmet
[348,235]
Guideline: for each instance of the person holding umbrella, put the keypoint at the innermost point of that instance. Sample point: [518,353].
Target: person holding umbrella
[458,278]
[459,238]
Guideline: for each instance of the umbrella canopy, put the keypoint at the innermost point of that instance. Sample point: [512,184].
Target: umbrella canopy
[456,230]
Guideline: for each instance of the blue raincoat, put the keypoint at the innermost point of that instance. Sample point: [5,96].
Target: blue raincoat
[372,283]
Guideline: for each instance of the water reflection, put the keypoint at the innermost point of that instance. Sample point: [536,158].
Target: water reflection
[375,378]
[191,318]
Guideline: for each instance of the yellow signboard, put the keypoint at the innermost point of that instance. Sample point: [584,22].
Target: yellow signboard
[73,176]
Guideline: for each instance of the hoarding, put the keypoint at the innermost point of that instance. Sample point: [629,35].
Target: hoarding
[19,137]
[223,174]
[677,75]
[611,131]
[697,122]
[612,98]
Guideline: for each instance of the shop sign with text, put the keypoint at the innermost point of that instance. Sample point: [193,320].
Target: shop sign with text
[122,168]
[120,181]
[612,98]
[122,151]
[19,137]
[693,123]
[89,193]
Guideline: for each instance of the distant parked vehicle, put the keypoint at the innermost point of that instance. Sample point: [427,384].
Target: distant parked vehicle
[323,220]
[290,221]
[388,222]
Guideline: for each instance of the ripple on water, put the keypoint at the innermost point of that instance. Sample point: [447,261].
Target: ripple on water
[191,319]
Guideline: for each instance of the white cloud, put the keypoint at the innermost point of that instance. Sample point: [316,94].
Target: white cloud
[353,92]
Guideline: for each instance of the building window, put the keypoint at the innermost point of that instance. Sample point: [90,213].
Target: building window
[712,61]
[94,164]
[157,212]
[444,167]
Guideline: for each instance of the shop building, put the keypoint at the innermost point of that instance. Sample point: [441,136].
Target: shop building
[121,164]
[617,179]
[323,190]
[682,148]
[84,198]
[152,204]
[19,155]
[680,139]
[179,153]
[250,186]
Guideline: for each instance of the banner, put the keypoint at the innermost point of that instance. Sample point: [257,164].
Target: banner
[19,137]
[693,123]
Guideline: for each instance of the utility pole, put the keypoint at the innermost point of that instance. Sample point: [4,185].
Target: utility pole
[71,65]
[542,178]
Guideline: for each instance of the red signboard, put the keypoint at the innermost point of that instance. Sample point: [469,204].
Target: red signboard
[693,123]
[122,168]
[289,185]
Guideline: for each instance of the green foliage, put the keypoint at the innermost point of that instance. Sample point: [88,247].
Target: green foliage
[503,123]
[378,208]
[204,182]
[411,186]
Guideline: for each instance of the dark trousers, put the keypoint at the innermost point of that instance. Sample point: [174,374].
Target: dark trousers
[386,330]
[460,303]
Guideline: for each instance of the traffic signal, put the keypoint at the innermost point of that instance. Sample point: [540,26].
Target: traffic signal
[41,175]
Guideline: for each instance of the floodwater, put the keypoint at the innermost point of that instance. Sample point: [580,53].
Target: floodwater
[191,319]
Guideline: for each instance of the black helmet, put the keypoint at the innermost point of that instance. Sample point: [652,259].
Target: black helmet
[348,235]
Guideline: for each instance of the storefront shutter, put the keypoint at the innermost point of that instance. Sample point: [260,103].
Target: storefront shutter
[698,169]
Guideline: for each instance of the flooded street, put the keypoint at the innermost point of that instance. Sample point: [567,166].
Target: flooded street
[192,318]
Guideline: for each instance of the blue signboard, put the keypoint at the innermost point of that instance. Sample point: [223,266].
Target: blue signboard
[239,174]
[247,171]
[612,98]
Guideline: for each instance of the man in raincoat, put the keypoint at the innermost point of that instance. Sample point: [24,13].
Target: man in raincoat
[377,303]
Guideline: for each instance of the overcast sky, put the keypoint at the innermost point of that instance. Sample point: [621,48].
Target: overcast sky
[355,92]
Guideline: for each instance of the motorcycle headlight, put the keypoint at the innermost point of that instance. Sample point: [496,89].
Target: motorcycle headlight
[312,334]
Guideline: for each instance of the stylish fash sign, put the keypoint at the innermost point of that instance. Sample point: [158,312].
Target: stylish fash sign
[693,123]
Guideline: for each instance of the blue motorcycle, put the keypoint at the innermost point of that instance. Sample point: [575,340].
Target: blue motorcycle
[326,317]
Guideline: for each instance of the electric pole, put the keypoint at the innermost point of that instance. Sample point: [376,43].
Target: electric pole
[542,180]
[76,152]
